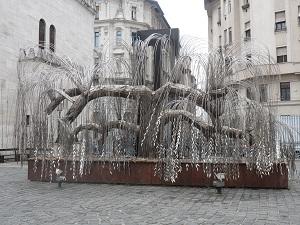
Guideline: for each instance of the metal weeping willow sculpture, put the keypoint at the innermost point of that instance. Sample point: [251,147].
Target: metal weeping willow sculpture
[198,114]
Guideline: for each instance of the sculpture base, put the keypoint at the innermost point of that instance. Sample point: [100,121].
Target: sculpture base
[141,172]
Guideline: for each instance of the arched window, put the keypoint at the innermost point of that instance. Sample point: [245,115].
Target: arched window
[52,38]
[42,33]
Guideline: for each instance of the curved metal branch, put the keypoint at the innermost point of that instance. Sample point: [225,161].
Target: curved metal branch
[200,124]
[123,91]
[55,101]
[123,125]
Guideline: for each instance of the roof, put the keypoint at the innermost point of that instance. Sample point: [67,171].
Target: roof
[157,6]
[89,4]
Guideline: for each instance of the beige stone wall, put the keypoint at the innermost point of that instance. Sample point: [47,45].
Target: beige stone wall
[19,29]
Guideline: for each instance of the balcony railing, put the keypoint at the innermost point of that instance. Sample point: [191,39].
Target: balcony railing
[40,54]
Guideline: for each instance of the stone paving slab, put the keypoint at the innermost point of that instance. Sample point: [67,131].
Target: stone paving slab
[25,202]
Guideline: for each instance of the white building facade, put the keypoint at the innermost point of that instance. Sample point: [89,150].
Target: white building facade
[67,28]
[116,24]
[274,24]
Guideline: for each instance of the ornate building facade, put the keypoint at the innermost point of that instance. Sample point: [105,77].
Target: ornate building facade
[116,25]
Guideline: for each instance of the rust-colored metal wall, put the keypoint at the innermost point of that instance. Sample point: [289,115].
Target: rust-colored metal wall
[142,173]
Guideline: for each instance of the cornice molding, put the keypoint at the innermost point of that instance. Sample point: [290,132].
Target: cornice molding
[89,4]
[131,22]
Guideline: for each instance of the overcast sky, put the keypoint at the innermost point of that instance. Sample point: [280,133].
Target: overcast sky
[188,15]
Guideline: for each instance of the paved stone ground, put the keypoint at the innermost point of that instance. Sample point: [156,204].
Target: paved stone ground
[25,202]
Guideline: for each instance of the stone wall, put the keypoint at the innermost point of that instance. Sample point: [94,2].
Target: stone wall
[74,38]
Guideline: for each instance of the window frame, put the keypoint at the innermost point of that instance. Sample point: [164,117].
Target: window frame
[134,37]
[281,58]
[225,37]
[280,26]
[219,16]
[247,31]
[134,13]
[229,6]
[280,21]
[52,38]
[298,15]
[118,37]
[285,91]
[97,39]
[97,16]
[27,120]
[263,93]
[230,35]
[42,34]
[224,8]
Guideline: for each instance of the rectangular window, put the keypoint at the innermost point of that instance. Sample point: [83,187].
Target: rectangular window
[97,12]
[230,35]
[134,37]
[285,91]
[247,35]
[97,40]
[220,41]
[299,15]
[27,120]
[224,8]
[249,93]
[229,6]
[133,13]
[219,16]
[280,26]
[281,54]
[280,22]
[263,93]
[225,37]
[247,31]
[118,37]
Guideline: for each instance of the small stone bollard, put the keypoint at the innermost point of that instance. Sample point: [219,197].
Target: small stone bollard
[59,177]
[219,183]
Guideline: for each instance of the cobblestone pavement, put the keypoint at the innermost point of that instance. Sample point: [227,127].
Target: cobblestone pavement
[25,202]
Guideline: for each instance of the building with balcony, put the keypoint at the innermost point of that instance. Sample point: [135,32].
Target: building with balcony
[275,25]
[116,25]
[65,27]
